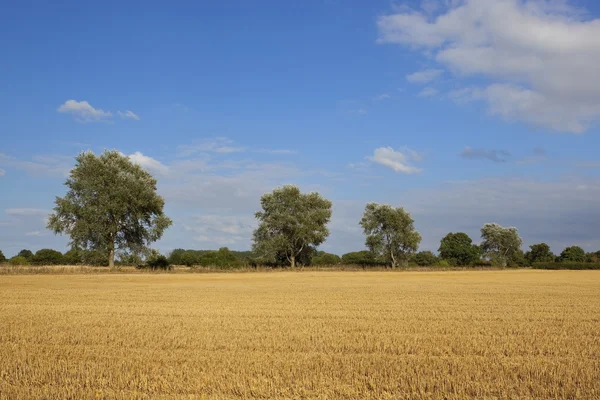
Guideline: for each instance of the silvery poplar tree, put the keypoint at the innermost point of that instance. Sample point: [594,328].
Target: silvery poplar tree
[500,244]
[289,223]
[390,232]
[111,204]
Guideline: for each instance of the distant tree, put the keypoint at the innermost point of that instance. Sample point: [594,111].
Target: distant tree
[390,233]
[73,257]
[18,261]
[500,244]
[592,257]
[155,260]
[48,257]
[458,249]
[28,254]
[176,257]
[425,258]
[323,258]
[111,205]
[363,258]
[2,258]
[539,253]
[572,254]
[518,260]
[290,223]
[130,259]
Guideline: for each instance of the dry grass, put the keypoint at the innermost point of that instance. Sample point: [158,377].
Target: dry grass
[446,335]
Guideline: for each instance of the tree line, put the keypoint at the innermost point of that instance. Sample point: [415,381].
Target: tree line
[112,212]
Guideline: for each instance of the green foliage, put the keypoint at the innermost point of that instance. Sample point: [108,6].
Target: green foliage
[222,258]
[28,254]
[73,257]
[129,259]
[518,260]
[363,258]
[539,253]
[111,204]
[567,265]
[291,222]
[323,258]
[443,263]
[2,258]
[390,232]
[500,244]
[18,261]
[425,259]
[572,254]
[176,257]
[592,257]
[47,257]
[458,249]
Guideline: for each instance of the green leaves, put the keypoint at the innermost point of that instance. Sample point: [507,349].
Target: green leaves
[290,222]
[458,248]
[111,203]
[390,232]
[500,244]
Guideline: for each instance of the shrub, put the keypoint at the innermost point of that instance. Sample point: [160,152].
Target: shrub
[442,263]
[47,257]
[73,257]
[159,262]
[2,258]
[94,258]
[28,254]
[572,254]
[425,258]
[567,265]
[323,258]
[18,260]
[363,258]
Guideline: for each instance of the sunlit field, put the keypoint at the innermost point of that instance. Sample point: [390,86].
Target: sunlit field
[417,335]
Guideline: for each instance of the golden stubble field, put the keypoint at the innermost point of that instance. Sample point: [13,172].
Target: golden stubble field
[351,335]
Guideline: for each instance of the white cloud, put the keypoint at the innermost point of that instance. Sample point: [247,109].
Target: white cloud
[425,76]
[397,160]
[362,111]
[82,111]
[540,56]
[428,92]
[128,114]
[148,163]
[2,172]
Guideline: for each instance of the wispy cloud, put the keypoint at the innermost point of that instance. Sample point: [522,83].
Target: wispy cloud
[26,212]
[499,156]
[428,92]
[83,112]
[40,165]
[382,96]
[215,145]
[2,172]
[425,76]
[128,114]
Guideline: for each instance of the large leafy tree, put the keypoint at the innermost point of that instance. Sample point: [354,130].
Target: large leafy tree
[500,244]
[539,253]
[572,254]
[458,248]
[390,233]
[290,223]
[111,204]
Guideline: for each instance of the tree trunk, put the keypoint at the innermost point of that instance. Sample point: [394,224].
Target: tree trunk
[293,261]
[111,258]
[393,259]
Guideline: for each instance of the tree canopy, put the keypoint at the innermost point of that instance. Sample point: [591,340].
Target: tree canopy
[2,257]
[572,254]
[458,249]
[500,244]
[111,204]
[390,233]
[539,253]
[290,223]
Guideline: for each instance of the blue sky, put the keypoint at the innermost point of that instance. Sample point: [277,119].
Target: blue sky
[463,112]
